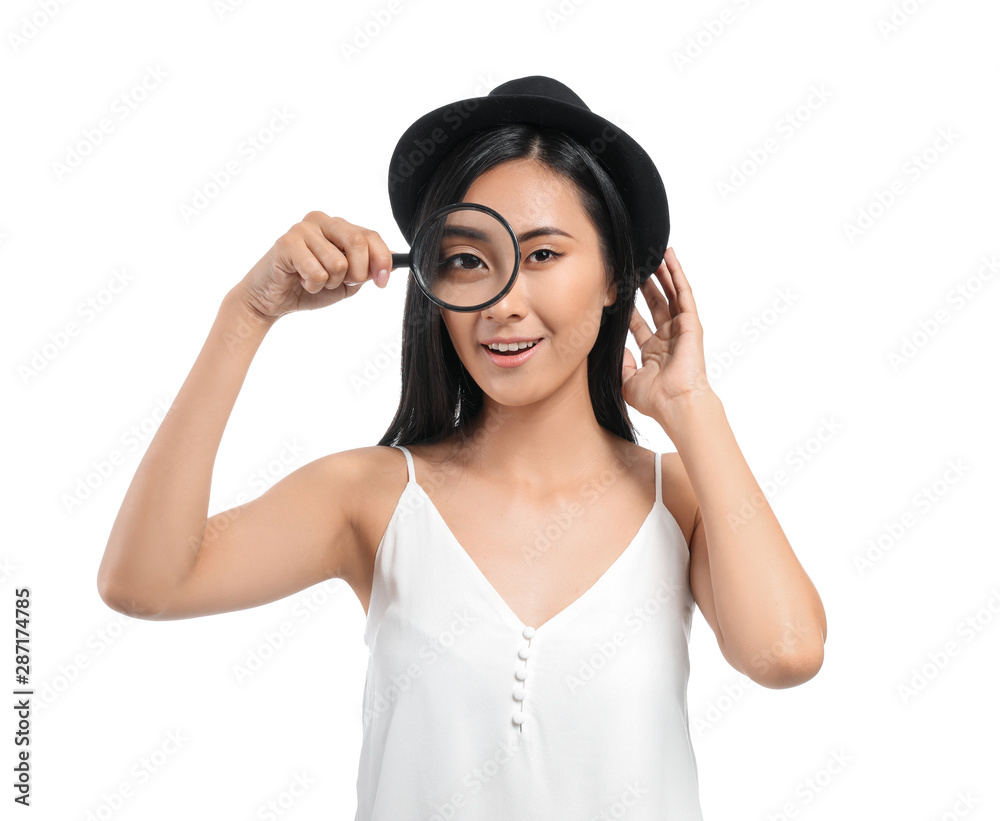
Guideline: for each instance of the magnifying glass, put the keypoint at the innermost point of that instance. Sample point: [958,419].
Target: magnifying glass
[465,257]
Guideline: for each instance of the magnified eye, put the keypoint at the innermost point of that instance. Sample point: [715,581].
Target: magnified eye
[466,261]
[465,256]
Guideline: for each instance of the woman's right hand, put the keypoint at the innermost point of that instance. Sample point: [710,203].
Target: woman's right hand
[319,261]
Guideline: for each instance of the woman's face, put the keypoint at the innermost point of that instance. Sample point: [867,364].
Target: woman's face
[558,295]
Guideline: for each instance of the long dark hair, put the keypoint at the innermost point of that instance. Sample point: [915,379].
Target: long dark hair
[438,397]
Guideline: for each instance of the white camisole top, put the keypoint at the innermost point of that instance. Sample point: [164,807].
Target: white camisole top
[471,715]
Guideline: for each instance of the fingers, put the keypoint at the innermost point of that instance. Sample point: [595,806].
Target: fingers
[379,255]
[353,241]
[334,263]
[659,305]
[682,297]
[328,251]
[663,275]
[676,297]
[640,330]
[365,251]
[295,257]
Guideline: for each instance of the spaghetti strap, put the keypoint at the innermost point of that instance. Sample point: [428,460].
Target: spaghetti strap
[409,464]
[658,457]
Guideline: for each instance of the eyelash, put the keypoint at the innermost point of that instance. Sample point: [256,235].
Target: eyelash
[552,254]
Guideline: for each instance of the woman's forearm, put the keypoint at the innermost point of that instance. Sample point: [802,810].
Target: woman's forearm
[161,523]
[762,594]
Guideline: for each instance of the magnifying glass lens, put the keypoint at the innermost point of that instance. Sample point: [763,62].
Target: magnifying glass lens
[465,257]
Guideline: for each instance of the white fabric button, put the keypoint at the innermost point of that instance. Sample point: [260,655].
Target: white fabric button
[524,652]
[518,694]
[519,718]
[521,674]
[528,632]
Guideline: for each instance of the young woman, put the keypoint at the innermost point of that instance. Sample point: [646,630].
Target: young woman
[528,572]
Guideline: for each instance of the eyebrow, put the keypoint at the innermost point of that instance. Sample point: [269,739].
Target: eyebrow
[471,233]
[542,232]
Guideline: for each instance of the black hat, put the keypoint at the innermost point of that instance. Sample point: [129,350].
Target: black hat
[545,102]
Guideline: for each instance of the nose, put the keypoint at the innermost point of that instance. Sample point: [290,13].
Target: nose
[512,303]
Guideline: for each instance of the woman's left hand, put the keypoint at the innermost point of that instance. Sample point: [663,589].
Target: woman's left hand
[673,357]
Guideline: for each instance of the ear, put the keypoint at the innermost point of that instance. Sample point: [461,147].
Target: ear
[611,295]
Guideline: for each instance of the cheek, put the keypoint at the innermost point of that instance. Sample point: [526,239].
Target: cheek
[461,336]
[578,325]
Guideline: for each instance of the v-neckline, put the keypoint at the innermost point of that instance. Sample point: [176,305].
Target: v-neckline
[502,602]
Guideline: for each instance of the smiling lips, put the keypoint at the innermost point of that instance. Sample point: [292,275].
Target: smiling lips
[514,345]
[514,355]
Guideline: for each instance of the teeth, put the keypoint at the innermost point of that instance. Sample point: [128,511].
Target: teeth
[513,346]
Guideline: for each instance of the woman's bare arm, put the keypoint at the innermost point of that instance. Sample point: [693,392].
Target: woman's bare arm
[163,519]
[165,558]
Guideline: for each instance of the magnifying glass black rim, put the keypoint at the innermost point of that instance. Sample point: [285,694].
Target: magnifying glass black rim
[475,206]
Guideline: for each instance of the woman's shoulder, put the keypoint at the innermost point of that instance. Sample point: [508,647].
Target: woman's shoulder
[677,493]
[380,472]
[369,481]
[369,466]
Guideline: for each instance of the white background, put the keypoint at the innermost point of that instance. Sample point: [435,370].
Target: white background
[109,689]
